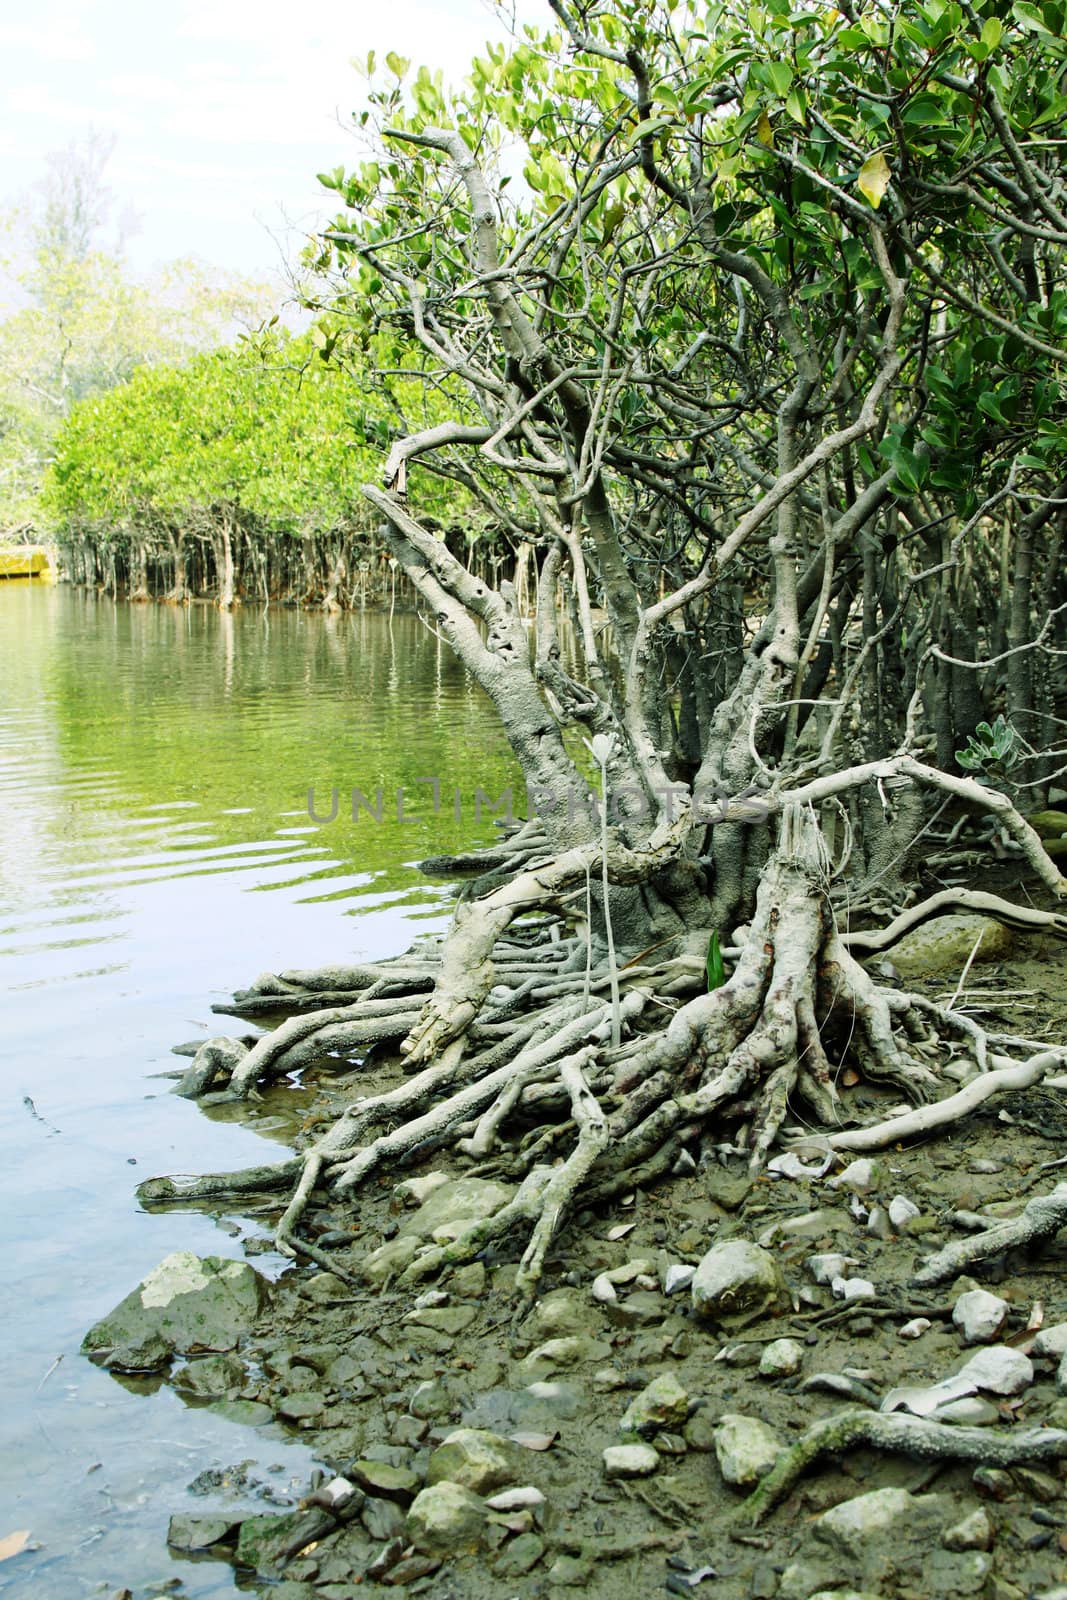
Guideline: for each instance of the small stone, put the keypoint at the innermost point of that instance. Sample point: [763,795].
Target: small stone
[197,1533]
[974,1532]
[782,1358]
[852,1525]
[677,1277]
[746,1449]
[476,1459]
[446,1519]
[641,1310]
[388,1260]
[570,1572]
[383,1519]
[998,1370]
[853,1289]
[603,1289]
[521,1556]
[449,1320]
[211,1377]
[994,1483]
[324,1288]
[385,1482]
[521,1499]
[983,1168]
[562,1312]
[979,1316]
[915,1328]
[630,1460]
[1051,1341]
[825,1268]
[946,943]
[430,1401]
[901,1211]
[733,1279]
[699,1433]
[571,1351]
[662,1404]
[468,1283]
[858,1176]
[302,1406]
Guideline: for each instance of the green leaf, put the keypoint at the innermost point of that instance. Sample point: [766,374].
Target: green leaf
[873,179]
[780,77]
[716,970]
[399,66]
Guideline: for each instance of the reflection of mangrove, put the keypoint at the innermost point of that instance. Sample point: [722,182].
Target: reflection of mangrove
[228,556]
[249,711]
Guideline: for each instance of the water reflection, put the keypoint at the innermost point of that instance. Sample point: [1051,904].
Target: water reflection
[155,852]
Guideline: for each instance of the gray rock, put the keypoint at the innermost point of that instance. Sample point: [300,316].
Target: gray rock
[389,1259]
[853,1524]
[853,1289]
[857,1177]
[1052,1341]
[188,1303]
[662,1404]
[735,1278]
[979,1316]
[974,1532]
[562,1312]
[998,1370]
[825,1268]
[446,1519]
[902,1211]
[476,1460]
[383,1519]
[678,1276]
[382,1481]
[303,1406]
[211,1377]
[521,1556]
[972,1412]
[630,1460]
[945,943]
[429,1401]
[782,1358]
[198,1533]
[643,1309]
[451,1208]
[746,1449]
[571,1351]
[447,1320]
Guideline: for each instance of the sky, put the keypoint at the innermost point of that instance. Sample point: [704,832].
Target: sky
[222,110]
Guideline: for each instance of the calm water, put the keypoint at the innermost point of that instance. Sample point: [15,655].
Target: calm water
[156,852]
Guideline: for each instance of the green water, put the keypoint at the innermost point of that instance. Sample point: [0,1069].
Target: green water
[156,852]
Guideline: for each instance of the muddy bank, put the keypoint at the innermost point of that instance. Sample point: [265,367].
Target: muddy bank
[627,1421]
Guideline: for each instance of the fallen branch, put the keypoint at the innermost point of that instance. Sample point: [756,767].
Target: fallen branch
[923,1119]
[1042,1218]
[900,1435]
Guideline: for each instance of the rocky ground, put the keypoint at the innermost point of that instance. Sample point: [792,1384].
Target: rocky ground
[606,1442]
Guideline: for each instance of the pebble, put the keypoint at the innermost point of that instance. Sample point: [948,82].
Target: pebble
[746,1449]
[858,1176]
[825,1268]
[678,1277]
[970,1411]
[476,1459]
[1051,1341]
[781,1359]
[998,1370]
[445,1519]
[853,1289]
[516,1499]
[974,1532]
[979,1316]
[915,1328]
[662,1404]
[630,1460]
[901,1211]
[994,1483]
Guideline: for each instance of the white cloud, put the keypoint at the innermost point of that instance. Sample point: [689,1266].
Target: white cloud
[63,41]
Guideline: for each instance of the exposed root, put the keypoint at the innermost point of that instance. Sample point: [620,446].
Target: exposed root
[1042,1219]
[510,1022]
[901,1435]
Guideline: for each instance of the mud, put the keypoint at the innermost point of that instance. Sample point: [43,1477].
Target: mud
[374,1379]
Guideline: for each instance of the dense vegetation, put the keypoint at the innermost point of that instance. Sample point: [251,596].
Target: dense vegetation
[235,474]
[765,357]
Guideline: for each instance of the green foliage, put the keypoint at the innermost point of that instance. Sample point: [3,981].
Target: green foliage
[267,428]
[715,968]
[990,751]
